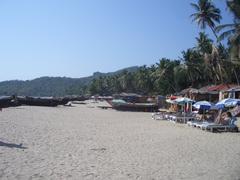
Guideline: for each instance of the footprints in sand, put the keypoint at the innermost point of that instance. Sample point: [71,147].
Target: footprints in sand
[102,150]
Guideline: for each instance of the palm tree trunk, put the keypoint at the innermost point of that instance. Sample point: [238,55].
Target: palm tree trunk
[214,32]
[238,51]
[218,62]
[236,75]
[220,73]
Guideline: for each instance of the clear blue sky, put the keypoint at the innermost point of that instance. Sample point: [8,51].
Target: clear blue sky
[75,38]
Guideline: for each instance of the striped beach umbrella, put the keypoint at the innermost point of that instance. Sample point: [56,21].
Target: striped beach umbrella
[229,102]
[205,105]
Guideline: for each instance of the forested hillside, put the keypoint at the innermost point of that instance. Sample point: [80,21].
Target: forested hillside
[54,86]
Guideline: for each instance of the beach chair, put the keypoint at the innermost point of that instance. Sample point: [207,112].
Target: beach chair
[222,128]
[231,127]
[182,118]
[205,124]
[194,121]
[175,116]
[204,121]
[201,123]
[158,116]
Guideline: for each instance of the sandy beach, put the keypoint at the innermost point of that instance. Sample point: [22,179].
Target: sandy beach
[86,142]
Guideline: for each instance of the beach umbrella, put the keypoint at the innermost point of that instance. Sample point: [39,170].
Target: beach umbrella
[205,105]
[183,100]
[229,102]
[171,101]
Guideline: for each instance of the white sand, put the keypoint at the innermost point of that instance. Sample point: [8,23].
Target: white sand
[82,142]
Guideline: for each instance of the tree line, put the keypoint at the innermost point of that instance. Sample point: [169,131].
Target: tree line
[209,62]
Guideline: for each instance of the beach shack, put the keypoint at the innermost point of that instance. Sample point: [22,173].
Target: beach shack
[161,101]
[223,88]
[201,94]
[189,93]
[233,92]
[212,93]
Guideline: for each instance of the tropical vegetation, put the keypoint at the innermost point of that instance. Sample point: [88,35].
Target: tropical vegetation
[209,62]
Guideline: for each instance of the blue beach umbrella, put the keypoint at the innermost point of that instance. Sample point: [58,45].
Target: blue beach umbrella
[229,102]
[205,105]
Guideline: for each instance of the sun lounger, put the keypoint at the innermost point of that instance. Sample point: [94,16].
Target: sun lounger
[205,124]
[162,116]
[223,128]
[159,116]
[172,116]
[190,123]
[194,123]
[181,118]
[232,127]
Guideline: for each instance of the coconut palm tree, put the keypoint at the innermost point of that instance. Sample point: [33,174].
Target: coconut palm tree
[204,44]
[215,63]
[232,32]
[194,66]
[234,6]
[206,15]
[164,81]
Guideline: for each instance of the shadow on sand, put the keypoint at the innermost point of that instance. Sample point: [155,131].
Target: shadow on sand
[11,145]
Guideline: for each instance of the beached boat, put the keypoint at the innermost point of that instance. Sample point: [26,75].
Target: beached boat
[38,101]
[8,101]
[122,105]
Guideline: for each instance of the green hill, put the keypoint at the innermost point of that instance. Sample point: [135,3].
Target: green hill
[53,86]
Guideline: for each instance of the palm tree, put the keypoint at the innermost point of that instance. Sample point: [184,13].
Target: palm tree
[232,33]
[233,29]
[234,6]
[204,44]
[164,81]
[193,65]
[206,15]
[215,63]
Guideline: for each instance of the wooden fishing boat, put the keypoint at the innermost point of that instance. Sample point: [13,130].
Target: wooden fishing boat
[122,105]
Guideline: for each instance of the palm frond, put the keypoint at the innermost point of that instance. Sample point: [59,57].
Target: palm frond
[226,34]
[221,27]
[235,38]
[195,6]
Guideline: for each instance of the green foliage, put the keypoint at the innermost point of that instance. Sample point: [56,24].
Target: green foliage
[206,14]
[156,79]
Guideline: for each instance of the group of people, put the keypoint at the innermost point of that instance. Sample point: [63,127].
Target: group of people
[224,118]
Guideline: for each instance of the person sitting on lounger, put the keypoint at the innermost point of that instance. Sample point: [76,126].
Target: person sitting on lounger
[232,120]
[228,119]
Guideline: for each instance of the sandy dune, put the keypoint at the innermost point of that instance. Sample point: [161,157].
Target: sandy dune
[86,142]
